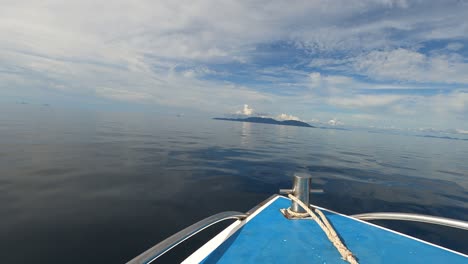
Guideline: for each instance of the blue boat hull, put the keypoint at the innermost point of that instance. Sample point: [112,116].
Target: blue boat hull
[266,236]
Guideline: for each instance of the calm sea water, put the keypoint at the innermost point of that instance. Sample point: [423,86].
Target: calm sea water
[89,187]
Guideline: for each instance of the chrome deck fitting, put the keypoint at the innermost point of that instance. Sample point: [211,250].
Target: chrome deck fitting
[302,190]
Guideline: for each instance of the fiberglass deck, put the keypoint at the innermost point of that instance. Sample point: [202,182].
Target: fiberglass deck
[268,237]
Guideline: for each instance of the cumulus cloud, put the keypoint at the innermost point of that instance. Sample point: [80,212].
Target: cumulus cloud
[287,117]
[461,131]
[247,111]
[334,122]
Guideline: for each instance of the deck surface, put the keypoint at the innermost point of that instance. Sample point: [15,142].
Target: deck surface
[270,238]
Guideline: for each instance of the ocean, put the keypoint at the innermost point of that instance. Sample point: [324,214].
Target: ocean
[87,186]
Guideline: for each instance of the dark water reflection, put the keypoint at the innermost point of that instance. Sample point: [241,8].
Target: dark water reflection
[88,187]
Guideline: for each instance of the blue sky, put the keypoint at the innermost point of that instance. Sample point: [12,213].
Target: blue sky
[364,63]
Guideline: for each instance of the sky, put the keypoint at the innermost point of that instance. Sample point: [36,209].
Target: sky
[361,63]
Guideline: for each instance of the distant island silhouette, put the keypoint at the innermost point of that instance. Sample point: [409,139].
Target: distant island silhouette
[265,120]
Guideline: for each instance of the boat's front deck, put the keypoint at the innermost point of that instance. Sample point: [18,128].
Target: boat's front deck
[268,237]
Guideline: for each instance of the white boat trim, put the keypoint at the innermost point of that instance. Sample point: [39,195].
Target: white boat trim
[204,251]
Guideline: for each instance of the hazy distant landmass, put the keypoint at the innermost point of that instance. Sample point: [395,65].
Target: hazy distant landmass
[443,137]
[265,120]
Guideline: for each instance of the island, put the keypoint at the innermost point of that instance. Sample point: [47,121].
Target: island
[266,120]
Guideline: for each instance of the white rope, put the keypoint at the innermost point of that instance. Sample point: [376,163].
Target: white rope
[345,253]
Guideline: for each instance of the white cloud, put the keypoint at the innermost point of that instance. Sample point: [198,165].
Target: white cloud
[456,102]
[123,95]
[368,117]
[319,80]
[364,101]
[335,122]
[400,65]
[407,65]
[455,46]
[287,117]
[461,131]
[154,51]
[247,111]
[167,30]
[315,79]
[440,111]
[330,64]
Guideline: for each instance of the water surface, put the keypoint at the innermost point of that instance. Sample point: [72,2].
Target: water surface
[89,187]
